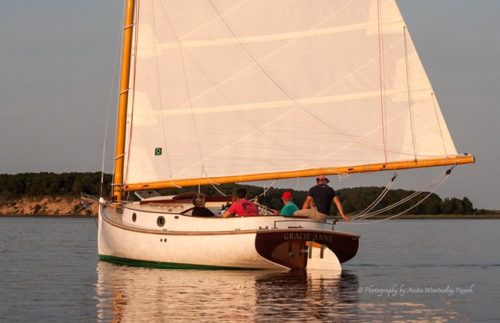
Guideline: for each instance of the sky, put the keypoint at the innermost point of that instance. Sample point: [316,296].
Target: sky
[58,75]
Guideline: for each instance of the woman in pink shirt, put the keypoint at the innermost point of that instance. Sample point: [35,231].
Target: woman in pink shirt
[242,206]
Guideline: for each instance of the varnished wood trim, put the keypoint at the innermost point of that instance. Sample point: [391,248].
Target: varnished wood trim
[451,160]
[121,123]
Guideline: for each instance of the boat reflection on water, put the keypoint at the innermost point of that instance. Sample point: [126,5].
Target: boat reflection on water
[317,295]
[143,294]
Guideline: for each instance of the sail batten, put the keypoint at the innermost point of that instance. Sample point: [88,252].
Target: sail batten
[225,92]
[255,106]
[369,26]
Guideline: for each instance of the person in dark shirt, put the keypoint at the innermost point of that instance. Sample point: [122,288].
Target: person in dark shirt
[199,207]
[319,201]
[201,211]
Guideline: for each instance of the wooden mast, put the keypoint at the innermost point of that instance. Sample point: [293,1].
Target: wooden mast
[128,24]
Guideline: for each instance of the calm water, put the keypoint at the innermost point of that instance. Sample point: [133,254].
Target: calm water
[405,271]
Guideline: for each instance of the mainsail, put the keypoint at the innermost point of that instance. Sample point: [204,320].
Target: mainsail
[225,90]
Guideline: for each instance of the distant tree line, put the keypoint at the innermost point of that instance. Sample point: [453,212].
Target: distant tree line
[51,184]
[357,199]
[354,200]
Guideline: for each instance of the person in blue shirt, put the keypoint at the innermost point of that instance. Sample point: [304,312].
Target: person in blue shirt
[289,207]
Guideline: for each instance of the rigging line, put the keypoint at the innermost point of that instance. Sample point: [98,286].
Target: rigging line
[413,206]
[410,103]
[208,22]
[274,51]
[394,205]
[408,209]
[212,183]
[108,112]
[266,189]
[434,102]
[184,53]
[256,128]
[381,76]
[257,62]
[366,135]
[186,83]
[411,196]
[163,132]
[378,199]
[360,138]
[281,47]
[389,207]
[291,110]
[281,87]
[436,181]
[372,131]
[215,86]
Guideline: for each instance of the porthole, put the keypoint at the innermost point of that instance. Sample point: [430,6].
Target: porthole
[160,221]
[134,217]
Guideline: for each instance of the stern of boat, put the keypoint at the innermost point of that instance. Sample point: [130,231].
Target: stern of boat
[307,249]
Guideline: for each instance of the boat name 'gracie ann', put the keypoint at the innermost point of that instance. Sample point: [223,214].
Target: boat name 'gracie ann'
[307,236]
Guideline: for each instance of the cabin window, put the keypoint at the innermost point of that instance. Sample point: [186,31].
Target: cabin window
[134,217]
[160,221]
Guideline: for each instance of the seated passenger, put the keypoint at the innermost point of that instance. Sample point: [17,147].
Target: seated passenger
[289,206]
[319,201]
[241,206]
[199,207]
[201,211]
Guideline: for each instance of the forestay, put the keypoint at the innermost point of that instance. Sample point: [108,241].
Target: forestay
[226,88]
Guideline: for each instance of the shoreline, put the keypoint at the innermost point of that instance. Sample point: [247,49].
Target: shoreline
[51,216]
[441,217]
[49,206]
[376,218]
[76,207]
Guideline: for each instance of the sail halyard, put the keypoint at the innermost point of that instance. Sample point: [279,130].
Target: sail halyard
[128,22]
[271,96]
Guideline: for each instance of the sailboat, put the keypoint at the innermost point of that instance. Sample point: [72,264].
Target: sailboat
[215,92]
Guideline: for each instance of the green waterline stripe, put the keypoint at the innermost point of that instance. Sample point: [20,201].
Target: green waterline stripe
[164,265]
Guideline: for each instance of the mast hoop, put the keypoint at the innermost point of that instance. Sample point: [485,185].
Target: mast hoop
[125,91]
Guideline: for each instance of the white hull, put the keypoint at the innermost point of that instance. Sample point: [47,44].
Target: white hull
[193,242]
